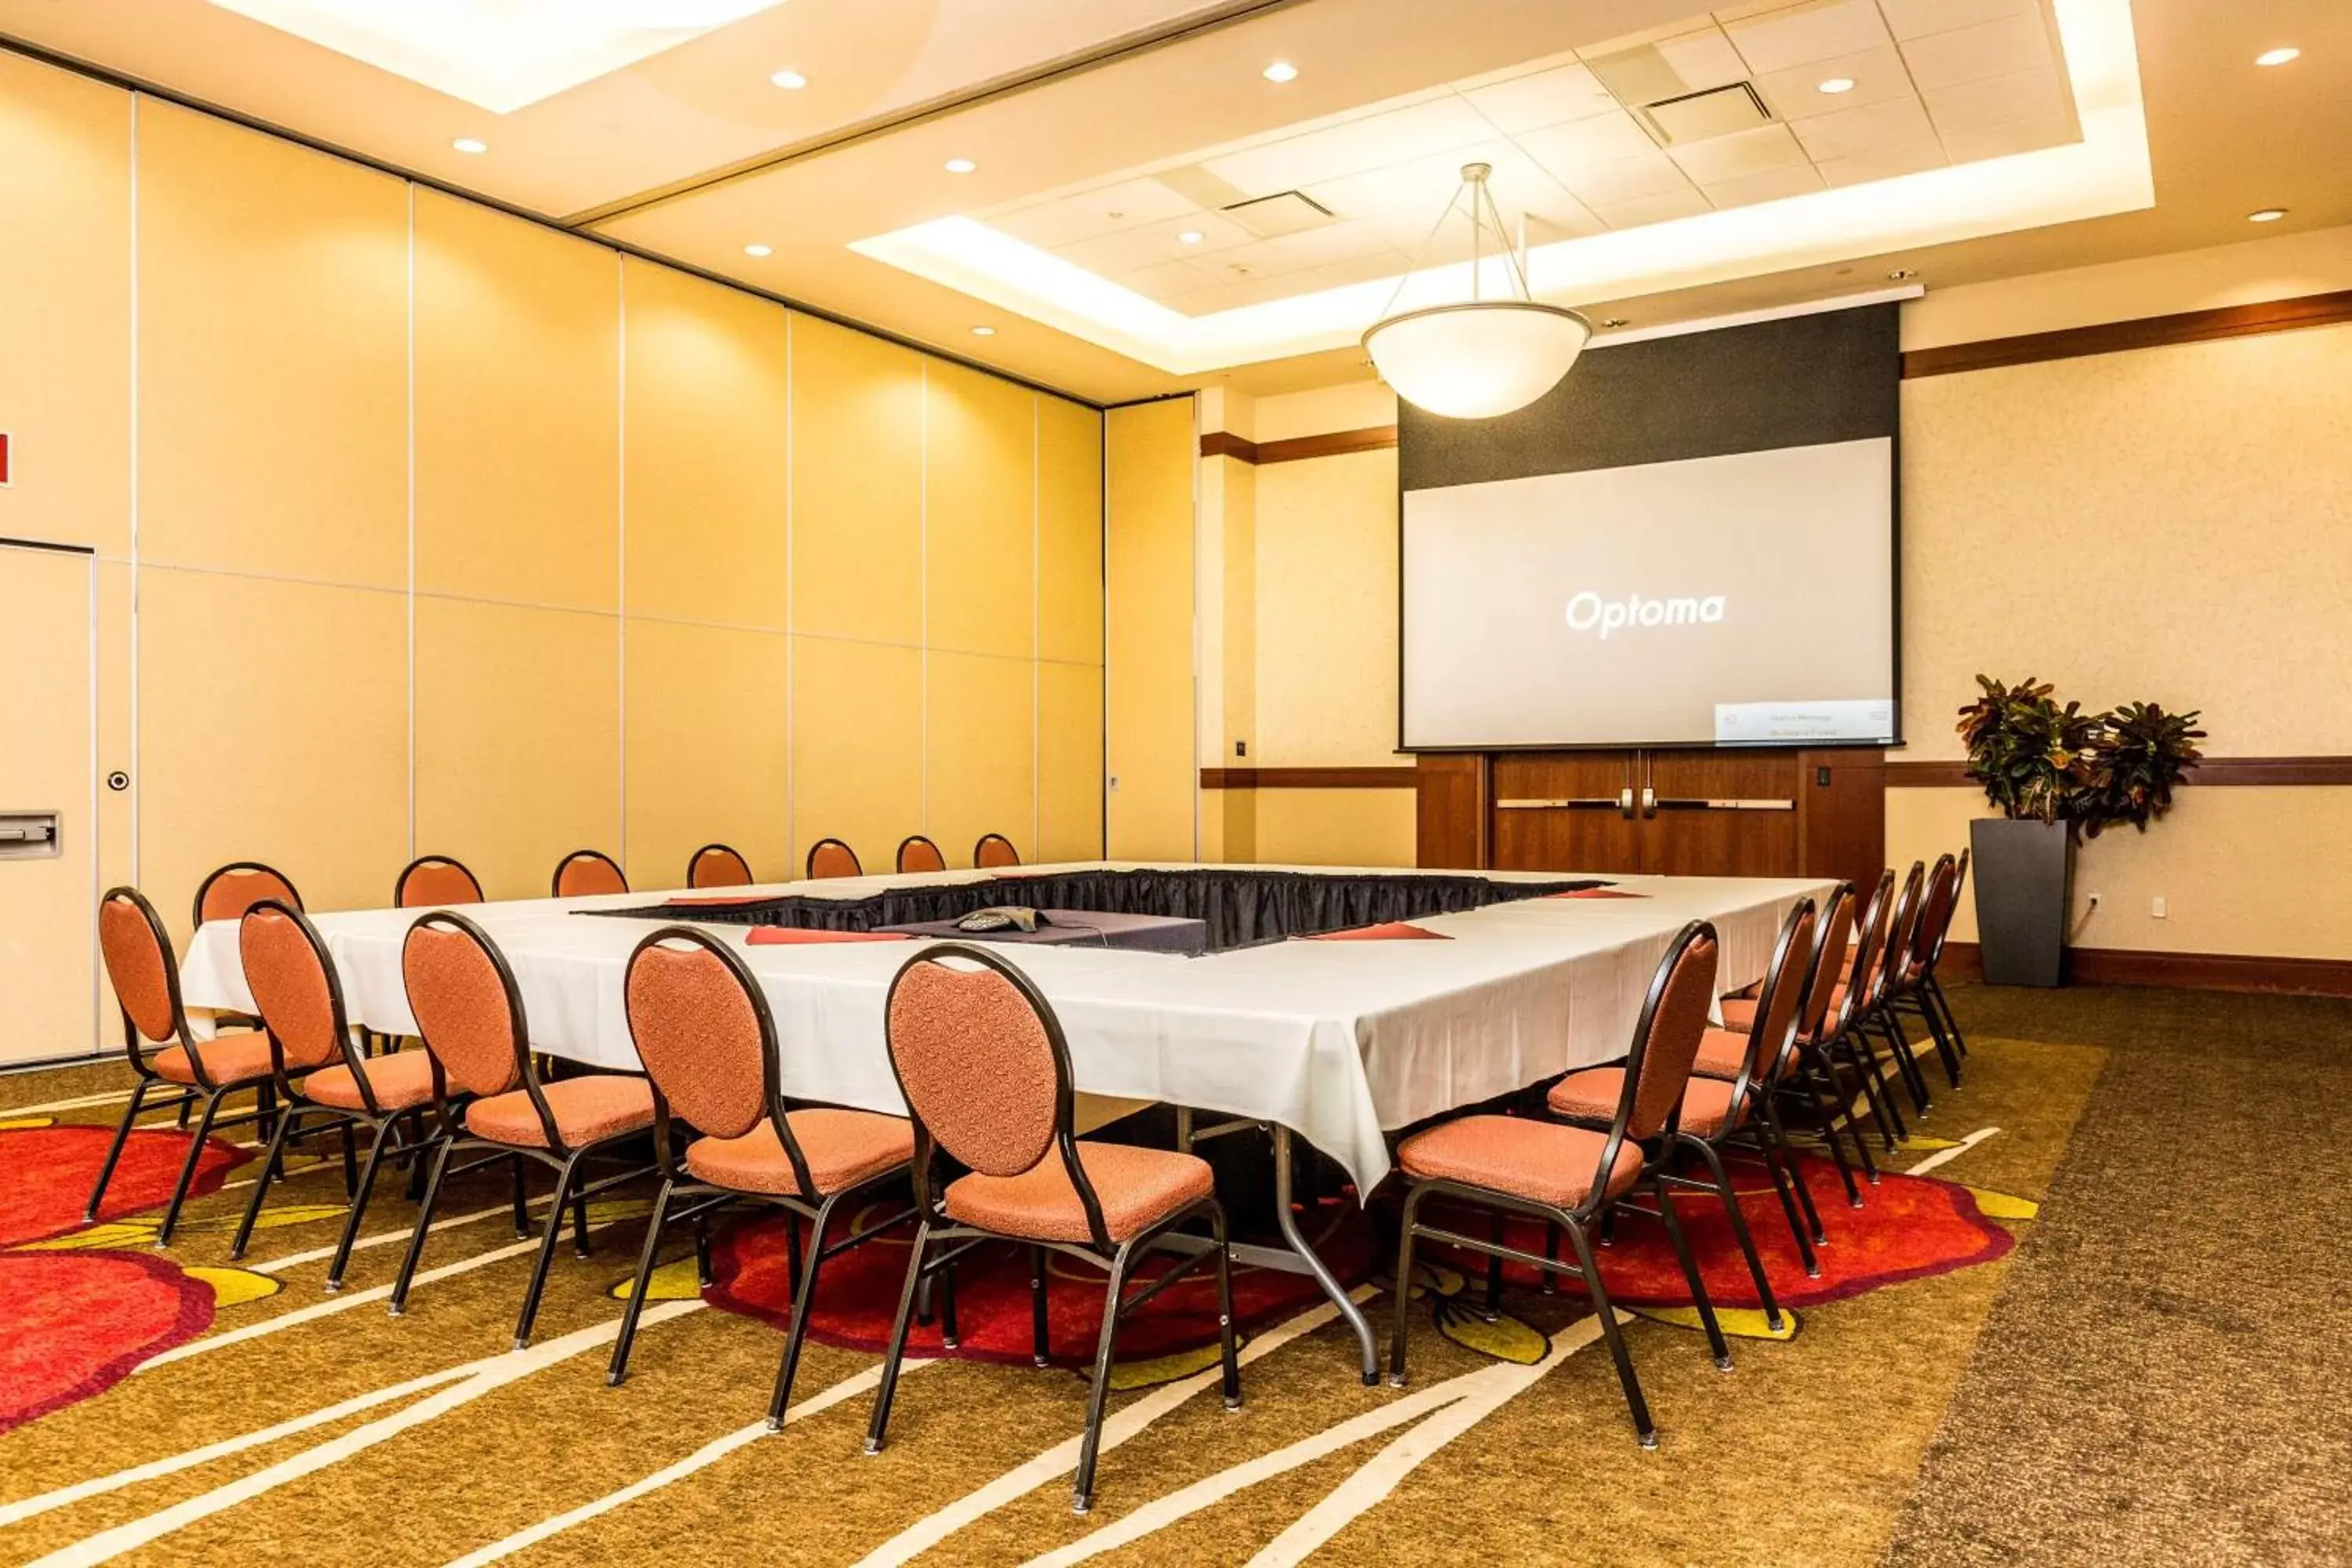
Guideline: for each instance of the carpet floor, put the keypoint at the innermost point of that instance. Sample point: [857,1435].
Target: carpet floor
[2090,1328]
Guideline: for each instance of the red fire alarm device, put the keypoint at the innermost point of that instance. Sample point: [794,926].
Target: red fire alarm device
[7,472]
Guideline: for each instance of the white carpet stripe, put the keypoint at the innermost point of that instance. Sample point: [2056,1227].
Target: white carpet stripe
[1943,1155]
[495,1373]
[1063,1458]
[383,1239]
[702,1458]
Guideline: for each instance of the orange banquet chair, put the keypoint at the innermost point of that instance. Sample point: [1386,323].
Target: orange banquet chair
[1908,990]
[434,881]
[320,1078]
[718,866]
[917,853]
[489,1095]
[584,872]
[162,1052]
[236,887]
[1715,1109]
[703,1029]
[1575,1177]
[994,852]
[981,1060]
[830,858]
[1872,1012]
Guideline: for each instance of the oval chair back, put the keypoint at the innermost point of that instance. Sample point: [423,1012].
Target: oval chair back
[994,852]
[586,872]
[296,992]
[1902,930]
[985,1069]
[434,881]
[146,981]
[1959,886]
[1771,1038]
[1829,953]
[917,853]
[236,887]
[468,1013]
[1871,936]
[708,1041]
[718,865]
[830,858]
[1666,1039]
[1935,918]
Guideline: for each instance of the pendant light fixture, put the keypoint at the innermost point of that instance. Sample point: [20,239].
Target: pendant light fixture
[1478,358]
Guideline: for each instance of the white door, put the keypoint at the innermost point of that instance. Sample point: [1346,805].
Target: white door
[47,782]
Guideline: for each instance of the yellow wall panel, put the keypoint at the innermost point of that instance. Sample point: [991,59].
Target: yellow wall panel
[708,749]
[517,410]
[1326,612]
[273,356]
[857,485]
[65,293]
[1069,762]
[45,904]
[857,746]
[1335,827]
[518,739]
[283,738]
[1148,536]
[979,512]
[1069,532]
[981,732]
[707,408]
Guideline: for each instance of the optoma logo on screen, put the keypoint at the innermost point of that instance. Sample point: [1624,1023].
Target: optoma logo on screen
[1589,611]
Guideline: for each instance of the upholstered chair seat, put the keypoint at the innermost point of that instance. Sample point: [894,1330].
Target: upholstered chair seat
[401,1082]
[843,1149]
[1136,1187]
[586,1111]
[230,1059]
[1593,1096]
[1720,1052]
[1540,1161]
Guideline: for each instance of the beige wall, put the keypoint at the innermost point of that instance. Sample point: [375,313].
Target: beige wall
[419,527]
[1152,801]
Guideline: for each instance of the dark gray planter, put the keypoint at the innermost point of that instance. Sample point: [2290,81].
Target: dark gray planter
[2021,872]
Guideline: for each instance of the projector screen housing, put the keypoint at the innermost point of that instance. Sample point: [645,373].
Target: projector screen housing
[1691,542]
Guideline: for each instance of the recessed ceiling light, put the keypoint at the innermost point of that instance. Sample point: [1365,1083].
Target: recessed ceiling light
[1838,84]
[1611,323]
[470,144]
[2277,56]
[1190,236]
[757,251]
[2268,214]
[1903,274]
[984,331]
[960,165]
[791,82]
[1280,70]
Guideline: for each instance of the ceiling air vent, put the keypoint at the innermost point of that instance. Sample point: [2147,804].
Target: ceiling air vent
[1702,116]
[1270,217]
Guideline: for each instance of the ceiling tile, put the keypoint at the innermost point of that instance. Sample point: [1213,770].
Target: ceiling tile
[1883,164]
[1168,280]
[1418,187]
[1997,100]
[1768,147]
[1917,18]
[1581,144]
[1853,132]
[2005,47]
[1352,146]
[1068,220]
[1770,186]
[1111,254]
[1662,208]
[1878,75]
[1546,97]
[1217,233]
[1667,66]
[1624,179]
[1799,35]
[1967,144]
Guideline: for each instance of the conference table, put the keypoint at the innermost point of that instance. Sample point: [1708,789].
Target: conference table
[1338,1042]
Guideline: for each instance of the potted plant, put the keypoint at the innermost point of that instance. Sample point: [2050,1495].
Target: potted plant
[2056,772]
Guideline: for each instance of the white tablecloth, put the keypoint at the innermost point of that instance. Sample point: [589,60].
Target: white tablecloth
[1337,1040]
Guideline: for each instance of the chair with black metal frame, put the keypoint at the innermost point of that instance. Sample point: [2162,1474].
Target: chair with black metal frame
[981,1057]
[469,1015]
[1716,1107]
[163,1049]
[295,986]
[434,881]
[1877,1014]
[1575,1177]
[718,865]
[1934,988]
[994,852]
[1842,1047]
[1908,990]
[829,859]
[1808,1076]
[226,895]
[703,1029]
[585,873]
[918,854]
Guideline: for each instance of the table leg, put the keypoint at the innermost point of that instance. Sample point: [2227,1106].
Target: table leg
[1315,1265]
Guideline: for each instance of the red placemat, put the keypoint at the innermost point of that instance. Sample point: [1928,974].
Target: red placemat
[793,936]
[1596,893]
[1394,931]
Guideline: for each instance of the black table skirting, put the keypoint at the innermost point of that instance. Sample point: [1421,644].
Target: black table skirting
[1242,907]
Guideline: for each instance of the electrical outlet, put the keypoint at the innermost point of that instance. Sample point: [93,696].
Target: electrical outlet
[2156,908]
[1241,748]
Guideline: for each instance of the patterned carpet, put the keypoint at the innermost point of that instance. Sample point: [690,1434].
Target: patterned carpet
[1968,1382]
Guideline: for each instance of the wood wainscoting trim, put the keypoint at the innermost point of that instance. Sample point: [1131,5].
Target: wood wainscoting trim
[2146,332]
[2183,971]
[2211,771]
[1309,778]
[1332,444]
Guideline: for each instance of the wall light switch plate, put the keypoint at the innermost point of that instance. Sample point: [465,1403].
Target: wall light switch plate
[2156,908]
